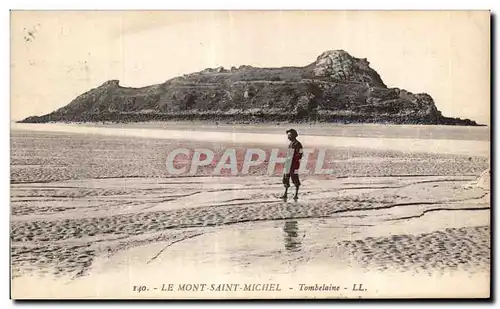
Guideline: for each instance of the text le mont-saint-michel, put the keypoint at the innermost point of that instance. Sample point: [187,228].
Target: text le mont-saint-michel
[248,287]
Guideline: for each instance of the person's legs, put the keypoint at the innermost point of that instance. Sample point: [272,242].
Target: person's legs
[296,182]
[286,183]
[296,195]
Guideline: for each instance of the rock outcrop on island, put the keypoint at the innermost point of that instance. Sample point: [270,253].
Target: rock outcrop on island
[335,88]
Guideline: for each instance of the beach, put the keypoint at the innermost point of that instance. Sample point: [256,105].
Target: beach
[94,205]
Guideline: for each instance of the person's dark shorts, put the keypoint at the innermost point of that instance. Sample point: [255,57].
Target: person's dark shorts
[295,179]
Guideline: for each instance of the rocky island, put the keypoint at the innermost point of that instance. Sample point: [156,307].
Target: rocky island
[337,87]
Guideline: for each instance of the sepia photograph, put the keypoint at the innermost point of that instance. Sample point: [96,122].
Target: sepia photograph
[246,154]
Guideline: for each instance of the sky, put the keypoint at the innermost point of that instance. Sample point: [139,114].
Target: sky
[58,55]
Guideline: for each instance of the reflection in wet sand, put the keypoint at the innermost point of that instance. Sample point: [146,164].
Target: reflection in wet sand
[292,238]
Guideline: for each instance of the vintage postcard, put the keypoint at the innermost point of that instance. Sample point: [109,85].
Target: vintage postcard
[250,154]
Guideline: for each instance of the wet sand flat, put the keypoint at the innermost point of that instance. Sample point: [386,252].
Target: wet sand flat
[89,207]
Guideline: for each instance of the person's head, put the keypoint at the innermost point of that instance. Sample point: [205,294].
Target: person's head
[292,134]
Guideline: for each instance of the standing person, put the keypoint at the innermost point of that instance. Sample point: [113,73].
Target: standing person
[293,164]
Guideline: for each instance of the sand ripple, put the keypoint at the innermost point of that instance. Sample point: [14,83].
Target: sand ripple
[465,248]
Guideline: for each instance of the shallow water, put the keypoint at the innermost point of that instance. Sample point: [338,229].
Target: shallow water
[289,252]
[470,146]
[322,129]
